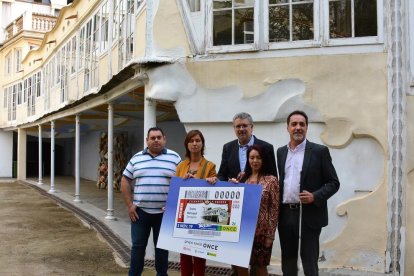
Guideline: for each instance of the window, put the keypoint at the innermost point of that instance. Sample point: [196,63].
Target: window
[19,93]
[231,19]
[18,59]
[38,84]
[73,55]
[234,25]
[31,96]
[194,5]
[352,18]
[25,89]
[104,27]
[5,95]
[116,19]
[8,64]
[290,20]
[82,47]
[126,32]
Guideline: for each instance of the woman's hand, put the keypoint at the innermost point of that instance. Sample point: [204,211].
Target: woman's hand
[233,180]
[188,175]
[268,242]
[211,180]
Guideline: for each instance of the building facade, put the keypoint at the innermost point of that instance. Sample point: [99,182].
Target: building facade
[122,66]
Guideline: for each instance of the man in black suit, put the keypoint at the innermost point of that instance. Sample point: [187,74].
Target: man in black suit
[234,158]
[307,176]
[234,155]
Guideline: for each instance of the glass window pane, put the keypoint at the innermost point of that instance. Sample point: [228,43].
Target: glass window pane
[340,24]
[302,22]
[221,4]
[222,28]
[243,26]
[279,24]
[243,3]
[365,17]
[278,1]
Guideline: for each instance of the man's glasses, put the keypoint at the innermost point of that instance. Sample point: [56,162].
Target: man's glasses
[244,126]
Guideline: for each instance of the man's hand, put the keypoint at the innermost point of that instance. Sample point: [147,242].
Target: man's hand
[306,197]
[132,212]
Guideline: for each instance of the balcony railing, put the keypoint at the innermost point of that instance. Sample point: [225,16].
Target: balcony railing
[31,22]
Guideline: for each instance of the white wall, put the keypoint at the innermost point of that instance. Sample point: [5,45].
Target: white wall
[89,156]
[6,157]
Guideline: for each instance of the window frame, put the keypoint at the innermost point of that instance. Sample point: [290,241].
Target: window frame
[261,31]
[231,48]
[354,40]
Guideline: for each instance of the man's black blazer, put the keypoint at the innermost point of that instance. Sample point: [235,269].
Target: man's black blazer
[318,177]
[230,164]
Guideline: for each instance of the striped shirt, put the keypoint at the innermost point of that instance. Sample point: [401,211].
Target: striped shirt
[151,176]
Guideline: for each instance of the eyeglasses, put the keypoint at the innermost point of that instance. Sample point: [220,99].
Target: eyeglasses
[244,126]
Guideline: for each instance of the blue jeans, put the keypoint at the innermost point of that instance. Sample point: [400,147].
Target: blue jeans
[140,231]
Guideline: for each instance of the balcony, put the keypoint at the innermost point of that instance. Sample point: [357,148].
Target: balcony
[30,22]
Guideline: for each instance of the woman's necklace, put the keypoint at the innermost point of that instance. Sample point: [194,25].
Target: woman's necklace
[193,167]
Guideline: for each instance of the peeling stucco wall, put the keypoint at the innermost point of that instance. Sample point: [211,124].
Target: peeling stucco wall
[346,98]
[208,94]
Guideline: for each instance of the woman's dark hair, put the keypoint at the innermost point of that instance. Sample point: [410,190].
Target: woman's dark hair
[264,170]
[189,136]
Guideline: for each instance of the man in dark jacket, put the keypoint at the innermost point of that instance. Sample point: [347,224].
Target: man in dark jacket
[307,180]
[234,158]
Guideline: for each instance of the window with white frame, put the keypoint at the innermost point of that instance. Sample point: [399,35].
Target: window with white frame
[352,18]
[5,95]
[12,102]
[271,24]
[126,32]
[115,25]
[231,20]
[8,64]
[104,27]
[25,88]
[31,96]
[73,55]
[82,47]
[38,84]
[88,57]
[194,5]
[19,93]
[18,59]
[291,20]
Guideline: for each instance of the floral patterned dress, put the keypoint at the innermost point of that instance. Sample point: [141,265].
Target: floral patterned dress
[266,222]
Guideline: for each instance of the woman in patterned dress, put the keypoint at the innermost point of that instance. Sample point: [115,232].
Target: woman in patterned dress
[257,173]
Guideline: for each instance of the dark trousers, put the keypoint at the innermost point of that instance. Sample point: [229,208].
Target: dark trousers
[289,242]
[140,231]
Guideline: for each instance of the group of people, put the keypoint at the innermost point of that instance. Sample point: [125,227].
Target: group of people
[295,200]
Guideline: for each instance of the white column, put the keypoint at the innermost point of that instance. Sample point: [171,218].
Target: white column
[52,158]
[77,160]
[110,210]
[150,115]
[21,153]
[40,181]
